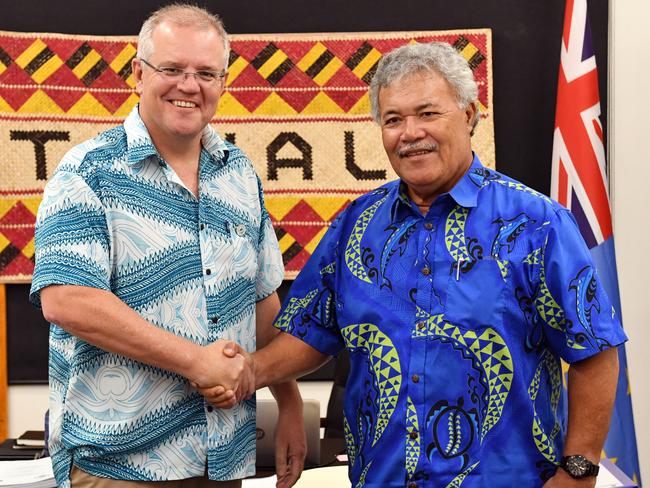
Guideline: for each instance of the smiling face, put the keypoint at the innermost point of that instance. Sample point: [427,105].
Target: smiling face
[177,111]
[425,134]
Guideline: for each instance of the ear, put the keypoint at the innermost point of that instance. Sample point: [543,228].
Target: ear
[470,114]
[136,69]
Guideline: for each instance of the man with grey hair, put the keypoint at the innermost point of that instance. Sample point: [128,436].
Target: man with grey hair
[157,267]
[456,291]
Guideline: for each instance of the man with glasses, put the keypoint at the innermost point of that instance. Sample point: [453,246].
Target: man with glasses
[155,257]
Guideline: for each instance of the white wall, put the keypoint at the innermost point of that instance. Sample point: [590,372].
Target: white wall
[629,85]
[26,406]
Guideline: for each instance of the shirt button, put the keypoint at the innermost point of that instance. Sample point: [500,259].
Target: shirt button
[420,325]
[413,435]
[426,271]
[415,378]
[208,271]
[428,225]
[413,484]
[210,408]
[215,319]
[202,226]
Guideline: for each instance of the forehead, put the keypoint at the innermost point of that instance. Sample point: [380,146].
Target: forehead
[423,87]
[170,40]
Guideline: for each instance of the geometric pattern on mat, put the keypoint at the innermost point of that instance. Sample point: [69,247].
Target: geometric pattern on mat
[297,104]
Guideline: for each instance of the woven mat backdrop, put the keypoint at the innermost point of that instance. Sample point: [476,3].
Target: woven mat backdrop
[297,104]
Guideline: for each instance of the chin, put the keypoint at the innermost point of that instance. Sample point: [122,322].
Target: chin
[422,180]
[186,130]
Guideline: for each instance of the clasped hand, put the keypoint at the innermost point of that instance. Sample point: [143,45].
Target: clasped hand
[231,376]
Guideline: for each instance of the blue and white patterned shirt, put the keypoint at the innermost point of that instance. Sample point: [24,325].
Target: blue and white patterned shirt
[116,217]
[455,323]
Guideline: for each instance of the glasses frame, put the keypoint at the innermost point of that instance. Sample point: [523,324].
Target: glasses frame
[218,76]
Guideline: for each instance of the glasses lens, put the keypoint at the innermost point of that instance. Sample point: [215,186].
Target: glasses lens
[207,76]
[171,72]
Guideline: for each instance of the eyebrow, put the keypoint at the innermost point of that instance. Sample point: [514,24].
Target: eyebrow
[418,108]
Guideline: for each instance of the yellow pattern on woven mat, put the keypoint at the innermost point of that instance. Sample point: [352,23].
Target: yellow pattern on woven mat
[231,106]
[88,105]
[274,105]
[311,245]
[127,106]
[39,102]
[320,104]
[278,207]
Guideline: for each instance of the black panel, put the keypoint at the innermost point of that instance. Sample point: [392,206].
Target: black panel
[526,47]
[27,333]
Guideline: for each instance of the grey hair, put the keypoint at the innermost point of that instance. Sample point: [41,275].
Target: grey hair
[181,14]
[438,57]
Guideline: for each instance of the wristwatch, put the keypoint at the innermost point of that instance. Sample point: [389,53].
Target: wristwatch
[578,466]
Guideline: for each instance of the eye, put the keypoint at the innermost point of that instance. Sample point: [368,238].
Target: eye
[391,121]
[171,72]
[207,75]
[428,114]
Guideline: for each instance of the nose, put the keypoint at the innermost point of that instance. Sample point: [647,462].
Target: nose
[412,129]
[189,86]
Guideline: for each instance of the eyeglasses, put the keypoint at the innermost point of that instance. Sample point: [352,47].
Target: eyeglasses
[174,74]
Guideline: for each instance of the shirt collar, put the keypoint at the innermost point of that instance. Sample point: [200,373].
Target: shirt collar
[465,191]
[140,146]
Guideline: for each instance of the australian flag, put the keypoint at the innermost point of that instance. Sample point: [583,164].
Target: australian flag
[579,182]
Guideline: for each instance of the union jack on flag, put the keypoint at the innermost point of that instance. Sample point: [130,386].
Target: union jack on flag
[579,182]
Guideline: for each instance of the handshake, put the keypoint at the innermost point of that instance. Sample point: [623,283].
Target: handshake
[225,373]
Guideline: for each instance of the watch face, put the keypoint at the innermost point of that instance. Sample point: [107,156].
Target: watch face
[577,465]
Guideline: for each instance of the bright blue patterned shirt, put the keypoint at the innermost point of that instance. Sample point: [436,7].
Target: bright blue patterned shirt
[116,217]
[455,323]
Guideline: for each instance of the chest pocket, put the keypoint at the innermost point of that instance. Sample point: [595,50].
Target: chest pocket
[243,249]
[476,293]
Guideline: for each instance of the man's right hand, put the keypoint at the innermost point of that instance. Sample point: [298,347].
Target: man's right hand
[222,397]
[217,365]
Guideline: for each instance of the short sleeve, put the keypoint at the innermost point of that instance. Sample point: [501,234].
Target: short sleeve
[270,267]
[71,239]
[309,310]
[572,301]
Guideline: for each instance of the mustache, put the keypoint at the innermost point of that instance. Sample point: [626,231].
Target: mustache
[414,147]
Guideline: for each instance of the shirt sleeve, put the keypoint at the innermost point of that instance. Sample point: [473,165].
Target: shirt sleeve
[71,239]
[309,310]
[270,267]
[579,316]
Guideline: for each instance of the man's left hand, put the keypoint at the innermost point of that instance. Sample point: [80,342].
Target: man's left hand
[290,445]
[561,479]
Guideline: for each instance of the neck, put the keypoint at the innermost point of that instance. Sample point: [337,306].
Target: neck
[424,208]
[183,158]
[422,200]
[178,149]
